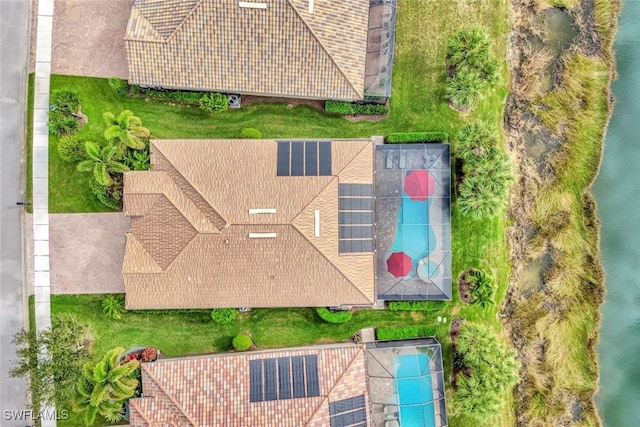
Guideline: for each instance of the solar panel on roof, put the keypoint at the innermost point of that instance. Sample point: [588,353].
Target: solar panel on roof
[324,157]
[367,245]
[297,369]
[297,158]
[346,405]
[311,158]
[255,381]
[284,378]
[283,158]
[348,418]
[311,368]
[270,379]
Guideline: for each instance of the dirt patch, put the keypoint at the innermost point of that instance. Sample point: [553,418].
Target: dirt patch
[465,285]
[454,331]
[88,38]
[367,118]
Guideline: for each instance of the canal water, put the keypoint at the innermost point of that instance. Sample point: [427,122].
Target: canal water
[617,191]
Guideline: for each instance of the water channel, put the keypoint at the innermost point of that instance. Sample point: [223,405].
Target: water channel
[617,191]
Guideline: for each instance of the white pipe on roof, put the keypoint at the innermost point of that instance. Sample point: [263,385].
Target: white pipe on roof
[252,5]
[262,235]
[317,220]
[310,6]
[262,211]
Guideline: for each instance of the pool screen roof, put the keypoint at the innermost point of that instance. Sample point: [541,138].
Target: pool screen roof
[413,221]
[406,383]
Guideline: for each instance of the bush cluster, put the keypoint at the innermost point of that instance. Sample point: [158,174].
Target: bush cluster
[416,305]
[71,148]
[417,137]
[347,108]
[223,316]
[405,332]
[242,342]
[486,172]
[471,67]
[108,195]
[64,105]
[250,133]
[214,102]
[173,95]
[119,86]
[330,316]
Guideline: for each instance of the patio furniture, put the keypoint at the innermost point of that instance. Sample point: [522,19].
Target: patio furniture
[390,414]
[392,423]
[403,158]
[389,159]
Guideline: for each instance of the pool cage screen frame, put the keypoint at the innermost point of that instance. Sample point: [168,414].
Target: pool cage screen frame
[379,59]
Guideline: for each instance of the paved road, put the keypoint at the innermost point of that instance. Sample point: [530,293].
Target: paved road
[13,57]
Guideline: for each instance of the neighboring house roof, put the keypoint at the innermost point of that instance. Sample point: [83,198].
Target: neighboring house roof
[192,241]
[288,48]
[220,390]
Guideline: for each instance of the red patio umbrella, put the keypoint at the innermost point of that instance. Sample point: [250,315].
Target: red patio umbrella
[419,185]
[399,264]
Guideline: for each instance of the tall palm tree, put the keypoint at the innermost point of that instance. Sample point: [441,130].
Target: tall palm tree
[102,161]
[105,386]
[126,129]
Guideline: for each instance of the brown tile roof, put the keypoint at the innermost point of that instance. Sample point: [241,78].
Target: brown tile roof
[283,50]
[214,390]
[189,245]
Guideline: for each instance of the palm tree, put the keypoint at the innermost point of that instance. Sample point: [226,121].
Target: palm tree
[105,386]
[102,161]
[470,47]
[482,291]
[474,140]
[463,88]
[126,129]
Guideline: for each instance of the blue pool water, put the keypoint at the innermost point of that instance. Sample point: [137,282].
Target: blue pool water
[415,395]
[415,236]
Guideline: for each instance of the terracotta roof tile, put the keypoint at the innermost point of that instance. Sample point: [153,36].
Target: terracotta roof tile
[214,390]
[283,50]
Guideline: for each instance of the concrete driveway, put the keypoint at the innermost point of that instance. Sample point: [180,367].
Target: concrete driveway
[88,38]
[86,252]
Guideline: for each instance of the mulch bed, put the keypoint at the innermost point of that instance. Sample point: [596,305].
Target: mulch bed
[291,102]
[465,286]
[454,330]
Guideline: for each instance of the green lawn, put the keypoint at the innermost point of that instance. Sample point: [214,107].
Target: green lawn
[416,104]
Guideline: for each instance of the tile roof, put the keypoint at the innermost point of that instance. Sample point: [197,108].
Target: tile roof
[214,390]
[189,245]
[282,50]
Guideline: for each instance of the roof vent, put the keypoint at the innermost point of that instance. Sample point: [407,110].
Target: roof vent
[311,6]
[262,211]
[252,5]
[317,222]
[262,235]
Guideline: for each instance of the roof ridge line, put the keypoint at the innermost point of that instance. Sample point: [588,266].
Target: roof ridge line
[134,403]
[227,223]
[292,224]
[335,384]
[324,48]
[187,16]
[130,233]
[353,159]
[155,30]
[157,382]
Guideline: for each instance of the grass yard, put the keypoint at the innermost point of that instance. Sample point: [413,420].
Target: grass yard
[417,103]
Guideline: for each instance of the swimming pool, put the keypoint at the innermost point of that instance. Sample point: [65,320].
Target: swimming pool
[415,393]
[414,235]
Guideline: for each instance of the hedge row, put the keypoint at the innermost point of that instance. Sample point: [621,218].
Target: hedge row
[417,137]
[333,316]
[405,332]
[174,95]
[348,108]
[416,305]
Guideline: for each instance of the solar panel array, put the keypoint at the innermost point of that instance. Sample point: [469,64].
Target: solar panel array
[348,412]
[355,218]
[283,378]
[304,158]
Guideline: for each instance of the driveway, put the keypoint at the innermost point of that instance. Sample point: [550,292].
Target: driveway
[86,252]
[88,38]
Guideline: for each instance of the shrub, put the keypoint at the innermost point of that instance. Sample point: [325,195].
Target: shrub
[214,102]
[110,196]
[250,133]
[405,332]
[113,306]
[242,342]
[417,137]
[137,160]
[347,108]
[463,88]
[149,354]
[119,86]
[223,316]
[482,290]
[62,113]
[71,148]
[174,95]
[416,305]
[330,316]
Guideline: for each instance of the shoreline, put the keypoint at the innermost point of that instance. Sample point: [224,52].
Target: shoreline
[538,317]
